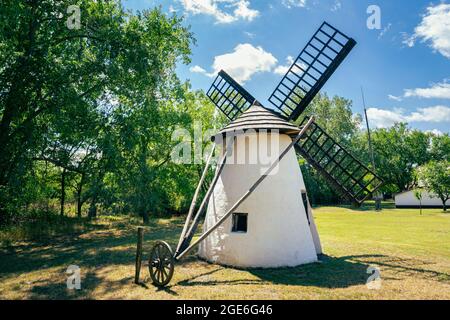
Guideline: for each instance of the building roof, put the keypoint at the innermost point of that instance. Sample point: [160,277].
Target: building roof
[259,118]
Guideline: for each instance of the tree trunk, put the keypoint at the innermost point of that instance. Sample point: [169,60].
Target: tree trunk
[444,202]
[63,191]
[79,194]
[92,213]
[79,202]
[145,216]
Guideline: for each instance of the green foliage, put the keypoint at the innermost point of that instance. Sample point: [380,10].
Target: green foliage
[435,175]
[89,103]
[397,151]
[335,116]
[418,194]
[440,147]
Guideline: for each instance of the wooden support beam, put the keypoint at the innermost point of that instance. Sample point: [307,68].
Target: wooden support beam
[184,241]
[194,199]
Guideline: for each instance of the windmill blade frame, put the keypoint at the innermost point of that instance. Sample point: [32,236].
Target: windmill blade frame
[315,64]
[229,96]
[355,181]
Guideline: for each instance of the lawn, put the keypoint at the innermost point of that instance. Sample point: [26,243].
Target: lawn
[412,252]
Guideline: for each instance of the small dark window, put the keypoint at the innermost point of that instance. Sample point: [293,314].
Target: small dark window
[239,222]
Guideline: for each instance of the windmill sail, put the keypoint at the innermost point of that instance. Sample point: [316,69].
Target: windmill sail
[353,179]
[229,96]
[315,64]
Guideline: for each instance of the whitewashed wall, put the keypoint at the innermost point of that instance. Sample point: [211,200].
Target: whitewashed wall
[278,232]
[407,199]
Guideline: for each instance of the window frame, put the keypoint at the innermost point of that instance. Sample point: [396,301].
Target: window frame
[235,222]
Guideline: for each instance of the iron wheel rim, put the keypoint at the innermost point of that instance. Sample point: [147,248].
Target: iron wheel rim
[161,264]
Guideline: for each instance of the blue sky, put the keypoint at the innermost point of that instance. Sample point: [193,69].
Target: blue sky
[404,66]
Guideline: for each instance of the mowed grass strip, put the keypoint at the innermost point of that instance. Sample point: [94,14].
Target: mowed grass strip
[412,252]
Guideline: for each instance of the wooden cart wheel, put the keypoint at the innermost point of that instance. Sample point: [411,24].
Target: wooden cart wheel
[161,264]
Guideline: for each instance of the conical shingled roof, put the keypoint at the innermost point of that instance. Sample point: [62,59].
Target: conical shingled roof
[257,118]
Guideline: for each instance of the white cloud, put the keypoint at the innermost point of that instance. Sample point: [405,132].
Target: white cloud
[384,31]
[243,11]
[337,5]
[434,29]
[294,3]
[408,40]
[224,11]
[436,91]
[197,69]
[435,132]
[283,69]
[244,62]
[382,118]
[249,34]
[430,114]
[395,98]
[172,9]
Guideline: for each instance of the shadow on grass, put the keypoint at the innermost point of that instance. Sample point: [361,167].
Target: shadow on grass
[102,247]
[57,288]
[403,267]
[331,272]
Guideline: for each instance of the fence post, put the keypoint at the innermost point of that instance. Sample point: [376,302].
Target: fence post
[140,239]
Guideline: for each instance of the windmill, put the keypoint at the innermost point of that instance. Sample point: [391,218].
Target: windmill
[259,215]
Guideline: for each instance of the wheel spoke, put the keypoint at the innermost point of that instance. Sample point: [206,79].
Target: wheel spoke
[158,274]
[161,264]
[165,272]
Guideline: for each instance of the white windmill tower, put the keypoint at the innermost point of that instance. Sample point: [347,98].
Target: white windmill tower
[274,218]
[258,213]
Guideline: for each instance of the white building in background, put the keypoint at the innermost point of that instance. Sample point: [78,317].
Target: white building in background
[407,199]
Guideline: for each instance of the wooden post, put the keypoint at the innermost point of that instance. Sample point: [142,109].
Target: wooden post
[140,240]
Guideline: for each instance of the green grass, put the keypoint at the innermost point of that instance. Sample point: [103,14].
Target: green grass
[411,250]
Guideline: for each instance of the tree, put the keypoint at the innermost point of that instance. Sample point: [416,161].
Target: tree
[435,176]
[397,151]
[50,72]
[418,195]
[440,147]
[335,116]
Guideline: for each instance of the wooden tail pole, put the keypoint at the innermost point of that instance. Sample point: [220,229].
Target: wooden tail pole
[194,199]
[250,191]
[140,240]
